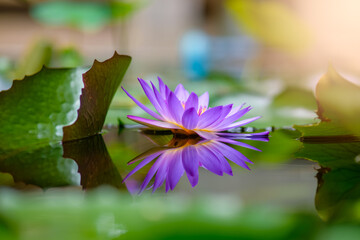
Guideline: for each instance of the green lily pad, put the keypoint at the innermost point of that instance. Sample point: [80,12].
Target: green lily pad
[33,111]
[36,109]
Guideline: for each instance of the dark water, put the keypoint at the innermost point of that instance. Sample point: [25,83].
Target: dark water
[275,175]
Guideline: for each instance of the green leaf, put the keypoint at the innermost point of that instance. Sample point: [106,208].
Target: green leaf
[35,109]
[101,83]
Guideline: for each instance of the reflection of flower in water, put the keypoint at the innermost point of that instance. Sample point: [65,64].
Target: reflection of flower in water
[186,113]
[188,154]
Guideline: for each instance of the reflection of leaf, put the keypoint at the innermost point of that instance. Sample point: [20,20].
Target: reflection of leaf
[95,165]
[338,179]
[42,166]
[271,23]
[339,101]
[337,191]
[101,83]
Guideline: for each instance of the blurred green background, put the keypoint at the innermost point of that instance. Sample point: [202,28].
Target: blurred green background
[269,54]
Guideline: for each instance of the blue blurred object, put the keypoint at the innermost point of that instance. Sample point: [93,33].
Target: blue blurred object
[202,54]
[4,84]
[195,54]
[5,66]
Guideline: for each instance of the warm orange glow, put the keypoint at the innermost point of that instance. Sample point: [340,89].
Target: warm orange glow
[335,28]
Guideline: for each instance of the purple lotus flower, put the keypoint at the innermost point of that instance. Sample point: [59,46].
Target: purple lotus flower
[186,113]
[190,154]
